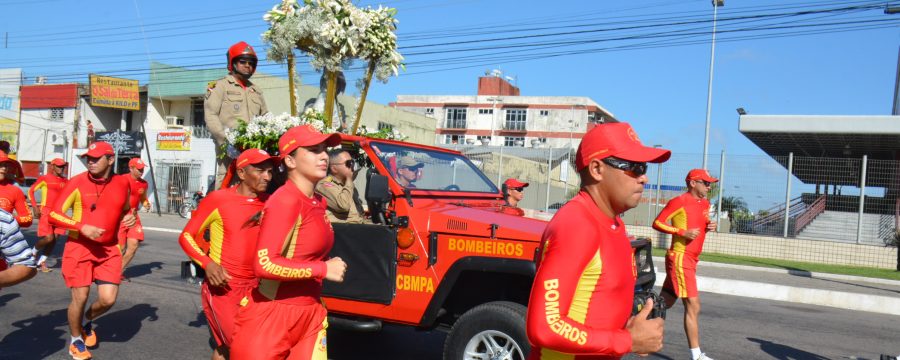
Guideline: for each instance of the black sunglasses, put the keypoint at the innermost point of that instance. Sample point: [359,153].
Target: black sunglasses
[519,189]
[348,163]
[636,168]
[704,182]
[246,62]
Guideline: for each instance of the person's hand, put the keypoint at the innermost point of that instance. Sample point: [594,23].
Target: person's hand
[711,226]
[335,269]
[646,335]
[216,275]
[92,232]
[147,206]
[129,219]
[692,234]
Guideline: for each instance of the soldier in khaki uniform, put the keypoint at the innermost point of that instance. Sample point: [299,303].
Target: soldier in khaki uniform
[343,200]
[231,98]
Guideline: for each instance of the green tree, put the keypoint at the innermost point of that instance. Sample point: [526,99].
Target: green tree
[737,210]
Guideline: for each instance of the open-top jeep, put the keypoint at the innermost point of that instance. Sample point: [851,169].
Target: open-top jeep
[444,252]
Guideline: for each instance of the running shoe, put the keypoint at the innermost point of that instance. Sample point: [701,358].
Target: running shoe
[79,351]
[89,336]
[704,357]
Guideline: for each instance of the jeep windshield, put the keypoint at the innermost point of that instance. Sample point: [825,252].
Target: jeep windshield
[422,169]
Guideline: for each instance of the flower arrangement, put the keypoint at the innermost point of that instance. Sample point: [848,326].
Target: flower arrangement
[263,131]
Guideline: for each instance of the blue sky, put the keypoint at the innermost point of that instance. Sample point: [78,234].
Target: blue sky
[662,91]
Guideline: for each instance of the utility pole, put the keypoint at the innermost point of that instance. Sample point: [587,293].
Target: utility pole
[712,61]
[896,107]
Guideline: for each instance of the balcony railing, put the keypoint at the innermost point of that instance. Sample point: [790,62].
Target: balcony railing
[514,126]
[455,124]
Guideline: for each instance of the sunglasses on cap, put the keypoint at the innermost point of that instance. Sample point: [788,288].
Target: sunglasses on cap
[636,168]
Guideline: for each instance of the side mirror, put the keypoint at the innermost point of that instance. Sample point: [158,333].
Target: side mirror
[377,195]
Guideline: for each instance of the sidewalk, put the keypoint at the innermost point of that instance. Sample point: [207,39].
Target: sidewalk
[840,291]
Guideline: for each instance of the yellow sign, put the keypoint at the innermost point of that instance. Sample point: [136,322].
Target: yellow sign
[174,140]
[115,93]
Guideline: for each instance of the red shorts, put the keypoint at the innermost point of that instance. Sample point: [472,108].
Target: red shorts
[266,329]
[134,232]
[83,264]
[681,275]
[220,305]
[44,227]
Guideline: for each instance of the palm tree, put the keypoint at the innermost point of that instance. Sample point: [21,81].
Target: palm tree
[736,208]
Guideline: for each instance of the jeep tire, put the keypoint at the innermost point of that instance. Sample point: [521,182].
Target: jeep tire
[495,330]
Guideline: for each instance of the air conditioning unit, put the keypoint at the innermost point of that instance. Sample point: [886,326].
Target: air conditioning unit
[174,121]
[57,140]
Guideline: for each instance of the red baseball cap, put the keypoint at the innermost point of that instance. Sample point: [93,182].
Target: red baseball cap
[253,157]
[137,163]
[17,171]
[59,162]
[99,149]
[304,135]
[514,183]
[700,174]
[616,140]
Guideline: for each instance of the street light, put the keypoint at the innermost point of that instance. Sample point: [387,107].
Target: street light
[712,60]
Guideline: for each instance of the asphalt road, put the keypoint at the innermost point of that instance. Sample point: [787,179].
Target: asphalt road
[159,316]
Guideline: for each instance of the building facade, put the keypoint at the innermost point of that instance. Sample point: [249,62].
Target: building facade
[499,116]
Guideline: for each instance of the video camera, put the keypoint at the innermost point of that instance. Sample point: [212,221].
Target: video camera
[646,278]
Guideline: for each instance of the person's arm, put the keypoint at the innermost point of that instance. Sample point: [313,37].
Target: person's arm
[201,219]
[339,198]
[661,224]
[557,308]
[279,221]
[23,213]
[39,184]
[66,200]
[212,106]
[263,108]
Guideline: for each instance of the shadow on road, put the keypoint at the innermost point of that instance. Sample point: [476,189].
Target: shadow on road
[122,325]
[142,269]
[784,352]
[36,338]
[7,298]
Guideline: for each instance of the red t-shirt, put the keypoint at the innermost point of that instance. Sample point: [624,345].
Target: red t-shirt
[138,190]
[100,203]
[232,241]
[582,294]
[295,237]
[50,186]
[12,198]
[684,212]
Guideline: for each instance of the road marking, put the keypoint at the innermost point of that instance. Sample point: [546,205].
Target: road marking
[174,231]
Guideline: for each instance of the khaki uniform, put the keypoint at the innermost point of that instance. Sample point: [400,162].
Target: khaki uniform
[342,206]
[226,102]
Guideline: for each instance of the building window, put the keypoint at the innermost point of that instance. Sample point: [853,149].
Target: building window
[456,118]
[385,126]
[454,139]
[198,116]
[543,140]
[515,119]
[56,114]
[545,112]
[485,111]
[514,141]
[429,111]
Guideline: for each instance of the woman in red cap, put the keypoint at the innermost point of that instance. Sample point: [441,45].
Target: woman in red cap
[11,196]
[284,317]
[514,191]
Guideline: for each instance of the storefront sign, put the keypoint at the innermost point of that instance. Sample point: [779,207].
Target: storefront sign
[174,140]
[126,143]
[10,81]
[115,93]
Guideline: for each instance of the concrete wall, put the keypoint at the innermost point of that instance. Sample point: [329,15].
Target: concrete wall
[770,247]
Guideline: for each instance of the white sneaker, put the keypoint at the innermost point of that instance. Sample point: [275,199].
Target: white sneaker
[704,357]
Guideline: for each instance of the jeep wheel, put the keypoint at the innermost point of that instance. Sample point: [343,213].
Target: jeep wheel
[492,331]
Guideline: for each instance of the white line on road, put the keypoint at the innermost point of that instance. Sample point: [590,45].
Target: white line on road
[174,231]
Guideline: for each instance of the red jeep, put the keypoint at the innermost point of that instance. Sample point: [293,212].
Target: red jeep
[444,251]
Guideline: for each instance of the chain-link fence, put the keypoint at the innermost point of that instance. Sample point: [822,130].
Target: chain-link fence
[787,207]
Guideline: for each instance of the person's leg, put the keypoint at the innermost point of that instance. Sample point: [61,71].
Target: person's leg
[76,309]
[106,298]
[15,274]
[131,246]
[313,344]
[691,327]
[44,248]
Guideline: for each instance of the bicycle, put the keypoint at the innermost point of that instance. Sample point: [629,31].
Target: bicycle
[190,205]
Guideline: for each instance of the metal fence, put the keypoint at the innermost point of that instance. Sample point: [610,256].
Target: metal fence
[176,182]
[825,210]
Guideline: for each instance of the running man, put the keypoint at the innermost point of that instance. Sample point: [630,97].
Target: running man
[11,196]
[99,204]
[583,292]
[17,263]
[130,237]
[228,258]
[686,218]
[50,185]
[284,318]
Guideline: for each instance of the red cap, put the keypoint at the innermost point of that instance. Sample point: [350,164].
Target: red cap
[136,163]
[616,140]
[59,162]
[304,135]
[700,174]
[16,173]
[253,157]
[514,183]
[99,149]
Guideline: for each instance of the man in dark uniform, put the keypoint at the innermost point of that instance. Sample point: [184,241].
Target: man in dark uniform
[232,98]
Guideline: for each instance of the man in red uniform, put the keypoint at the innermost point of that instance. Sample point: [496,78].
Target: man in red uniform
[228,257]
[50,186]
[581,300]
[284,318]
[514,191]
[11,196]
[130,237]
[686,218]
[99,204]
